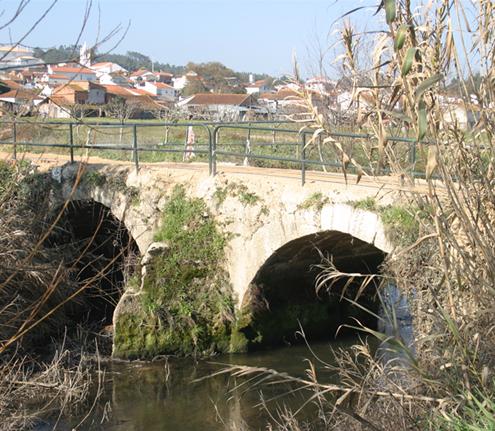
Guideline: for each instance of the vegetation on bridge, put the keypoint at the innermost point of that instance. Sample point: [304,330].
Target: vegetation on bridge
[186,305]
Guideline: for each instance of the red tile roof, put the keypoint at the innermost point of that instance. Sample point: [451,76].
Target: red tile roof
[20,93]
[11,84]
[281,95]
[162,85]
[70,86]
[257,84]
[140,92]
[68,69]
[117,90]
[57,77]
[140,72]
[102,64]
[129,93]
[79,86]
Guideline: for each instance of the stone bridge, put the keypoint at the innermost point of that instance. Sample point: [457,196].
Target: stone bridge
[276,227]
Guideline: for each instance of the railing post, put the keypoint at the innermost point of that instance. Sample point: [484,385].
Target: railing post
[247,147]
[412,157]
[214,151]
[210,151]
[303,158]
[14,139]
[71,142]
[135,155]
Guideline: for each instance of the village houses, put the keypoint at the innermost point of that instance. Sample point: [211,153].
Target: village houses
[220,107]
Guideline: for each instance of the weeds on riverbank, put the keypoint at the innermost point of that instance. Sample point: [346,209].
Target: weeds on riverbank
[34,392]
[41,378]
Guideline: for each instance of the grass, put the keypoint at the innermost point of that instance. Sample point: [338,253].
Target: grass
[316,201]
[401,221]
[236,190]
[153,138]
[478,414]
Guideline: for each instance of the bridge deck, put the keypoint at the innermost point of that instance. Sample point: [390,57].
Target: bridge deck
[385,183]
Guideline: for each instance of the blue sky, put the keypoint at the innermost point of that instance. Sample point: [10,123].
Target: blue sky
[246,35]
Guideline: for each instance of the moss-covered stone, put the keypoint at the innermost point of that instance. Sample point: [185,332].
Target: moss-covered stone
[402,222]
[186,305]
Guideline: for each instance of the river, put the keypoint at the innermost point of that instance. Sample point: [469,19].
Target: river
[177,395]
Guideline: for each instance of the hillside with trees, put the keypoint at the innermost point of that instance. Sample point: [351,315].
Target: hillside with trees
[216,76]
[131,60]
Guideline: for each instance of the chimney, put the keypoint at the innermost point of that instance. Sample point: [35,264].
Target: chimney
[251,78]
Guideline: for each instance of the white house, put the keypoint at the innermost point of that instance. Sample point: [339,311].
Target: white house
[160,90]
[17,57]
[53,79]
[320,84]
[73,73]
[107,67]
[164,77]
[222,107]
[96,93]
[344,101]
[463,115]
[114,78]
[19,101]
[182,81]
[142,75]
[258,87]
[282,100]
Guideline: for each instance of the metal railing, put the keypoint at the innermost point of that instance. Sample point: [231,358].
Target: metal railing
[269,144]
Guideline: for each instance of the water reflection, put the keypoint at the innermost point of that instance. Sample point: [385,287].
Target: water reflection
[157,396]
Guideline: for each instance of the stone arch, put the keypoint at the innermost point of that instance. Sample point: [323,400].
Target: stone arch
[101,252]
[282,278]
[246,257]
[103,191]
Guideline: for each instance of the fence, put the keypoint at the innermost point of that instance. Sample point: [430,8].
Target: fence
[263,144]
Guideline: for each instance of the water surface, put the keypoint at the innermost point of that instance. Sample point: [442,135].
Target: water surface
[166,395]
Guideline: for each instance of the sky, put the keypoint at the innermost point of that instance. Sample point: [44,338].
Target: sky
[246,35]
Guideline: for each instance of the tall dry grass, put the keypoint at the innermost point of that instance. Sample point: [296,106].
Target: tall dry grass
[431,61]
[47,359]
[416,58]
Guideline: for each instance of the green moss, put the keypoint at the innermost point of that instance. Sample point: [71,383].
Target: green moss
[401,221]
[115,182]
[239,191]
[128,340]
[367,204]
[186,303]
[238,342]
[315,201]
[94,179]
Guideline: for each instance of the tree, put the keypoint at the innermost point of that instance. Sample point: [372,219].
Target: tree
[217,77]
[194,86]
[122,109]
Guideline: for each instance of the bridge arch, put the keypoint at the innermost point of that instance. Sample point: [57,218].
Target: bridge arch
[280,291]
[101,253]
